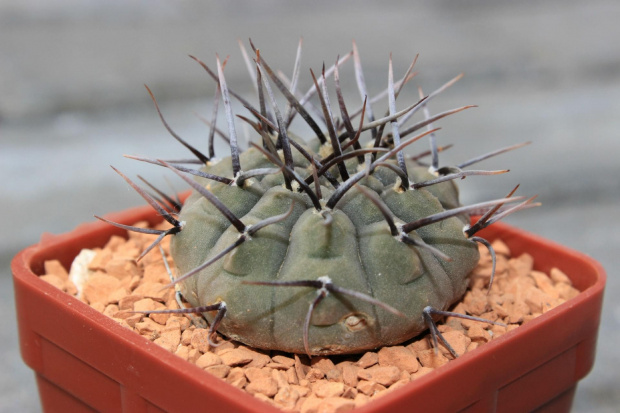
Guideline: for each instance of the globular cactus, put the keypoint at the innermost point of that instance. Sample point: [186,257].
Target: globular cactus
[324,246]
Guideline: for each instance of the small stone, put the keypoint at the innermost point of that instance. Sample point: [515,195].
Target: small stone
[223,346]
[169,338]
[220,371]
[193,355]
[259,358]
[558,276]
[236,357]
[123,323]
[280,378]
[172,304]
[70,288]
[349,392]
[497,331]
[545,284]
[128,250]
[521,265]
[98,306]
[132,283]
[500,310]
[428,358]
[287,361]
[286,398]
[475,302]
[302,390]
[530,317]
[329,405]
[291,376]
[369,388]
[114,242]
[517,312]
[276,366]
[384,375]
[127,302]
[405,375]
[236,377]
[368,359]
[300,368]
[419,345]
[453,321]
[324,389]
[397,385]
[132,319]
[149,328]
[116,295]
[400,357]
[260,381]
[311,405]
[200,340]
[176,321]
[121,268]
[361,399]
[349,374]
[566,291]
[155,272]
[421,372]
[54,267]
[535,298]
[314,375]
[444,328]
[548,305]
[79,273]
[265,399]
[186,337]
[457,340]
[99,287]
[490,316]
[501,266]
[110,310]
[100,260]
[500,248]
[334,375]
[322,363]
[299,404]
[208,359]
[364,374]
[183,352]
[337,405]
[146,304]
[478,333]
[156,291]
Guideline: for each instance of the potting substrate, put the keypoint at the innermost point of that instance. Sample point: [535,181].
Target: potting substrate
[110,280]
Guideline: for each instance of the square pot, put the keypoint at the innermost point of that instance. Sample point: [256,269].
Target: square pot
[84,360]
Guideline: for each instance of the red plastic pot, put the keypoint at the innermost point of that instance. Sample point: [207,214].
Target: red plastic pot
[84,360]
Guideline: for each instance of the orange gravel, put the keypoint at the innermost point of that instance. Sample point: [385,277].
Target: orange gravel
[114,284]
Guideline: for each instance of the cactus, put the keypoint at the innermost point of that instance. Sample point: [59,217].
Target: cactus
[324,246]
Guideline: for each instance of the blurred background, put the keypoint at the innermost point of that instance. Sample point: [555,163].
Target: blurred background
[72,101]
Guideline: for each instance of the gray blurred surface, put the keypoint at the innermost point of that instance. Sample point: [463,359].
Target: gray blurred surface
[72,101]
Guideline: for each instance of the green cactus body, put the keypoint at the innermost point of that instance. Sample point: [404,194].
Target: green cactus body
[355,249]
[326,246]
